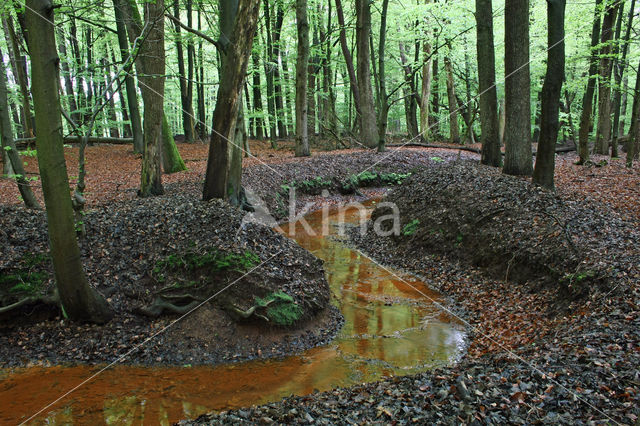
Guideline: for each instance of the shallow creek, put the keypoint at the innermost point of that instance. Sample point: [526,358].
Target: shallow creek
[391,328]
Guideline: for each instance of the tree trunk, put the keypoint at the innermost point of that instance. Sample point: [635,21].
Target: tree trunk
[454,132]
[191,53]
[517,137]
[185,99]
[257,97]
[277,84]
[410,95]
[129,83]
[368,126]
[383,114]
[634,132]
[619,73]
[330,120]
[21,66]
[201,127]
[425,95]
[491,154]
[152,81]
[269,70]
[353,81]
[9,147]
[80,301]
[502,118]
[302,67]
[545,159]
[224,165]
[111,111]
[587,100]
[603,135]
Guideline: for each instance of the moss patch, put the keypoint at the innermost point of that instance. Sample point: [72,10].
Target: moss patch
[281,308]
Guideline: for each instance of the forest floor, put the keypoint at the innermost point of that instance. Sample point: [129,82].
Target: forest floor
[540,353]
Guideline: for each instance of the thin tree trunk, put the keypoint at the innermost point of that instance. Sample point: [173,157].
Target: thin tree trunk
[603,134]
[517,137]
[587,100]
[410,95]
[353,81]
[201,127]
[80,301]
[277,84]
[454,132]
[634,132]
[187,109]
[619,73]
[329,121]
[486,85]
[129,83]
[9,147]
[545,159]
[269,71]
[302,80]
[368,125]
[383,114]
[425,95]
[111,111]
[21,67]
[257,97]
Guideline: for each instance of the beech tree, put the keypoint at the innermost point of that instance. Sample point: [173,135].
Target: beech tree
[224,164]
[368,126]
[517,86]
[543,174]
[302,63]
[491,154]
[79,300]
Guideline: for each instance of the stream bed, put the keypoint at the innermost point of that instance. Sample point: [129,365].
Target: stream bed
[392,327]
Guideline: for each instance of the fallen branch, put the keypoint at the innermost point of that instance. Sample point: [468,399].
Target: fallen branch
[432,145]
[74,139]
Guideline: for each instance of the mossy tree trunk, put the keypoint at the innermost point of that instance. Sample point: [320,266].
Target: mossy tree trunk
[224,164]
[80,301]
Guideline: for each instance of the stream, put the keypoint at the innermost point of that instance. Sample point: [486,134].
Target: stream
[391,328]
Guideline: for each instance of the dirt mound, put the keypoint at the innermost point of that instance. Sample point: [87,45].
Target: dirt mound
[510,228]
[182,249]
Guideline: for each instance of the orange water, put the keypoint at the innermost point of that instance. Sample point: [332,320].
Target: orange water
[391,329]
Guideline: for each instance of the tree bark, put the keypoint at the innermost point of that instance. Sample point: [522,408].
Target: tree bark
[302,80]
[634,132]
[410,95]
[185,98]
[152,80]
[80,301]
[129,83]
[454,131]
[224,164]
[383,114]
[425,95]
[619,73]
[277,84]
[490,138]
[353,81]
[368,125]
[9,147]
[517,137]
[257,97]
[587,100]
[543,174]
[269,71]
[201,127]
[21,67]
[603,134]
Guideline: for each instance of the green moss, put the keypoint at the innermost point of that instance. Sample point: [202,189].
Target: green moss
[212,259]
[29,278]
[281,308]
[411,227]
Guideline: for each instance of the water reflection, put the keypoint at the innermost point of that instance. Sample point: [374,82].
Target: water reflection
[390,329]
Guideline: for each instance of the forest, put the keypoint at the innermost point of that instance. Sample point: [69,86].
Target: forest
[320,211]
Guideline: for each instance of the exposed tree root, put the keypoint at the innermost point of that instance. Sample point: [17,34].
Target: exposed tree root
[51,299]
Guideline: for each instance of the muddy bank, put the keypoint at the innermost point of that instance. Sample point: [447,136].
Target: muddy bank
[184,250]
[531,359]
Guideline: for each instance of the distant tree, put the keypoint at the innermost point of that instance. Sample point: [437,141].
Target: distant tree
[633,144]
[587,100]
[9,147]
[368,125]
[302,81]
[79,300]
[543,174]
[517,87]
[490,138]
